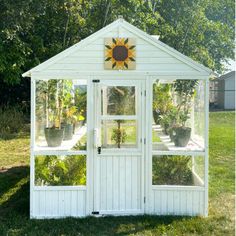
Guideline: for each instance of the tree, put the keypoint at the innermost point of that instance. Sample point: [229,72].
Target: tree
[33,31]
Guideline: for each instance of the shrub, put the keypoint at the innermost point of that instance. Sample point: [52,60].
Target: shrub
[172,170]
[11,121]
[60,170]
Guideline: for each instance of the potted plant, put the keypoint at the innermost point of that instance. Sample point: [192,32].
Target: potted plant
[185,90]
[172,117]
[182,133]
[53,132]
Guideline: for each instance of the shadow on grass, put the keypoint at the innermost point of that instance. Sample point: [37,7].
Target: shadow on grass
[11,136]
[14,190]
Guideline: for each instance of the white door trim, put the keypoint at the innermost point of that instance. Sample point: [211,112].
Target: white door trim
[139,152]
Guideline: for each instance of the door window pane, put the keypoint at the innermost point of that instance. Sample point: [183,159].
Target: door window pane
[118,100]
[60,170]
[119,134]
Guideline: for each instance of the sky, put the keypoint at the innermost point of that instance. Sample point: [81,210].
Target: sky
[231,66]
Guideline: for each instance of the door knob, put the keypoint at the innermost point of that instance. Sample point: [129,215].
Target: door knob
[99,150]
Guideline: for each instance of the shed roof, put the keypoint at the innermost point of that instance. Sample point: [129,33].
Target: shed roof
[228,75]
[154,40]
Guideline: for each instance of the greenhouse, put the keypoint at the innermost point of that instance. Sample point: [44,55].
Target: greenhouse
[119,126]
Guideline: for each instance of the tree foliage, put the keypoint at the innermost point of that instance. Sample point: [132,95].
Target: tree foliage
[33,31]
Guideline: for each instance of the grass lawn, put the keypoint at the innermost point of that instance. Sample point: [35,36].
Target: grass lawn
[14,195]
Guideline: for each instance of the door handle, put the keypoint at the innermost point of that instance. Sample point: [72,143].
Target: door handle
[99,150]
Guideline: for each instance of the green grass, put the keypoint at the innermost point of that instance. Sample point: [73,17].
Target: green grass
[14,196]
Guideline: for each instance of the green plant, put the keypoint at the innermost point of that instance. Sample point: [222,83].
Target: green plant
[162,100]
[64,170]
[11,121]
[169,119]
[165,122]
[81,102]
[172,170]
[119,136]
[54,101]
[185,90]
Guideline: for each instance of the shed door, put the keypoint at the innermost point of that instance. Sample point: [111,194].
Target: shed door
[118,147]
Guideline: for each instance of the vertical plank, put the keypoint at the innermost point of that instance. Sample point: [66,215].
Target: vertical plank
[122,182]
[134,183]
[116,183]
[182,202]
[42,203]
[61,203]
[195,203]
[176,202]
[109,178]
[202,210]
[103,182]
[170,202]
[128,183]
[36,203]
[67,202]
[73,210]
[81,203]
[189,202]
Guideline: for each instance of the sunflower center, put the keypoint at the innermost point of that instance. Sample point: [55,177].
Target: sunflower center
[120,53]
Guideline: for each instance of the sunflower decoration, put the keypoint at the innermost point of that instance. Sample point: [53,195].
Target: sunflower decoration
[120,53]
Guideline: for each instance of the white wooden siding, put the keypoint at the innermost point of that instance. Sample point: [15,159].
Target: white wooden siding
[120,183]
[178,201]
[148,57]
[58,203]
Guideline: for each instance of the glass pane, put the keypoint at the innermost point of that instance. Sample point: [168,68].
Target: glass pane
[119,134]
[198,170]
[61,114]
[178,115]
[60,170]
[178,170]
[118,100]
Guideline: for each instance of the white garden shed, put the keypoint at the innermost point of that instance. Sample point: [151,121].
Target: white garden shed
[119,126]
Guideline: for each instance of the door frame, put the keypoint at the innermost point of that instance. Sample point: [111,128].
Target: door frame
[94,201]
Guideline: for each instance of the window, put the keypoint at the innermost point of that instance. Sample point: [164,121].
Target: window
[60,170]
[119,134]
[118,100]
[61,107]
[119,120]
[178,170]
[178,115]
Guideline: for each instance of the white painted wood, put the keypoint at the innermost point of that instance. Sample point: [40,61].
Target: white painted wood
[98,58]
[56,203]
[119,183]
[114,30]
[139,66]
[32,143]
[178,201]
[115,75]
[206,146]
